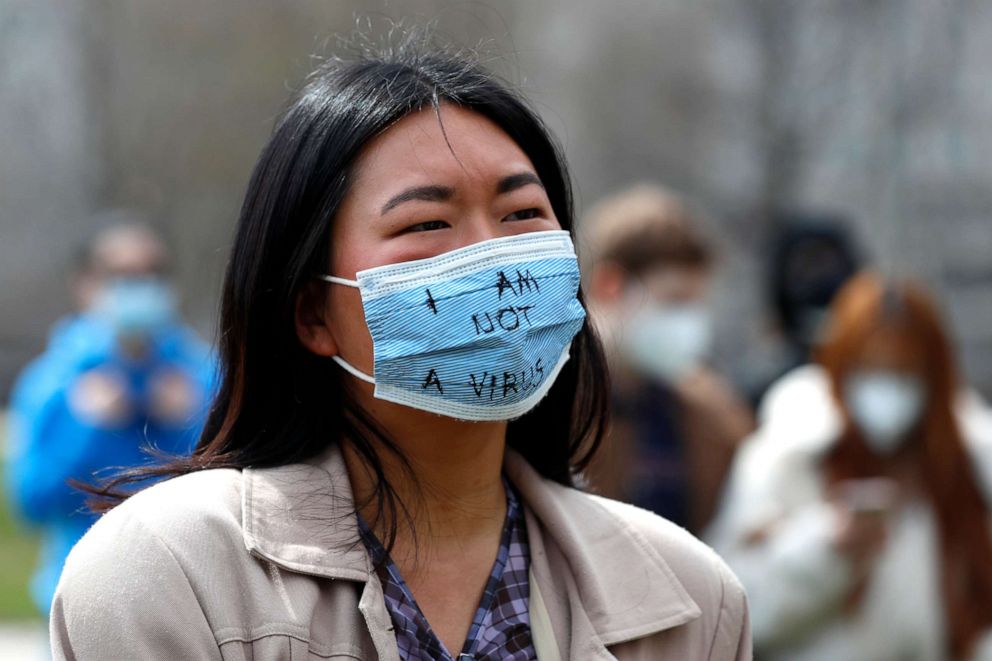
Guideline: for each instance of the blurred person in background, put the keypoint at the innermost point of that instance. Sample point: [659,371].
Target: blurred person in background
[858,514]
[676,422]
[812,256]
[120,375]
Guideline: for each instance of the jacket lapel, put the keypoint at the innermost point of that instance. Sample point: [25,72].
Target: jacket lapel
[302,518]
[603,584]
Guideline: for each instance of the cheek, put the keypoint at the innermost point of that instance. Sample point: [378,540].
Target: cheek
[343,261]
[344,308]
[346,320]
[352,237]
[551,222]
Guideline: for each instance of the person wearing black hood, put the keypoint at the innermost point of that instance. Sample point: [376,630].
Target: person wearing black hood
[812,257]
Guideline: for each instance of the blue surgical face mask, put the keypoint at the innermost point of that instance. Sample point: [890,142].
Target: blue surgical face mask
[136,306]
[478,333]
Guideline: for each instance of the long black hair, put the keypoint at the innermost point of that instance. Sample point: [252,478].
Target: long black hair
[278,403]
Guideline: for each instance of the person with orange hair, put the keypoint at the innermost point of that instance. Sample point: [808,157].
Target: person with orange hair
[857,515]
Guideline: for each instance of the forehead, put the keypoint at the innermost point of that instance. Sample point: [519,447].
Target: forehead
[675,281]
[450,143]
[128,251]
[892,347]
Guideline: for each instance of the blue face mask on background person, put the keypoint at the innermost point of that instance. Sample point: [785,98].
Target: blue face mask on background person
[136,306]
[478,333]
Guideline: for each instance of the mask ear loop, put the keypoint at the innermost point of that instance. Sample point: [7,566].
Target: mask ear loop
[347,367]
[354,371]
[338,281]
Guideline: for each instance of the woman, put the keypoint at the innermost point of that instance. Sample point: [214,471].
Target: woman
[858,514]
[387,471]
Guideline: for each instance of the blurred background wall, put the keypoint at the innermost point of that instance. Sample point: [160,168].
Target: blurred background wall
[880,111]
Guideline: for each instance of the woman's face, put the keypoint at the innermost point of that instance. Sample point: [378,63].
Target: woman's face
[422,188]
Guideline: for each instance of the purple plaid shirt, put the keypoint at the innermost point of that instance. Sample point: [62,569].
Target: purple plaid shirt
[501,627]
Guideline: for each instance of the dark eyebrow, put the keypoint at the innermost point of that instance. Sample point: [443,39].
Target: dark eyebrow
[515,181]
[426,193]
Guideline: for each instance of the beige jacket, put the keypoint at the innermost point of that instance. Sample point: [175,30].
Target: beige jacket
[266,564]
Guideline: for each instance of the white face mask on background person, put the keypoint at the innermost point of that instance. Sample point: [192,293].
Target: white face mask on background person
[885,405]
[667,341]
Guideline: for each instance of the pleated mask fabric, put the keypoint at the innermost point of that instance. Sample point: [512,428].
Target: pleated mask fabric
[477,333]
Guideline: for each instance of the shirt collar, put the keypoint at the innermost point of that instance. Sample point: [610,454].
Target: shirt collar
[302,517]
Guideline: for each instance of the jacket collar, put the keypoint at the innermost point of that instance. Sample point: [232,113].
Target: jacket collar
[302,518]
[600,552]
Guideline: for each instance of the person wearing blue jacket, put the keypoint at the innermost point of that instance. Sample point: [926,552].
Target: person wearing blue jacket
[119,378]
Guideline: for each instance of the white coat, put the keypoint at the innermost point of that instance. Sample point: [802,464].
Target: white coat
[775,530]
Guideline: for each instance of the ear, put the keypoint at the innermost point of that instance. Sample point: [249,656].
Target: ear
[607,282]
[311,323]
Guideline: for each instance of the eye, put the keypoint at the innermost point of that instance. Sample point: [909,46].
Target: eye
[524,214]
[427,226]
